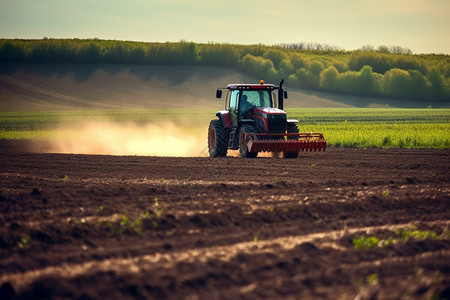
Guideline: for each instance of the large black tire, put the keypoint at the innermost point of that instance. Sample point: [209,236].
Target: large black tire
[217,139]
[291,128]
[243,150]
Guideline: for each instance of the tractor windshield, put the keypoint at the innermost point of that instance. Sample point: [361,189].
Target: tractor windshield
[258,98]
[253,98]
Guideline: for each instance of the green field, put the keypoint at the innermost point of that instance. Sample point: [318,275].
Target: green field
[403,128]
[387,127]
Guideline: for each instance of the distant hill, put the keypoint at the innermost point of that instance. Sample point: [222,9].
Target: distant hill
[38,87]
[81,69]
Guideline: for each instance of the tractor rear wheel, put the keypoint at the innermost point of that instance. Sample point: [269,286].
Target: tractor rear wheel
[217,139]
[243,149]
[291,128]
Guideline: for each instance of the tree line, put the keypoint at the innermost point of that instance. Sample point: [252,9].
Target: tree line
[366,72]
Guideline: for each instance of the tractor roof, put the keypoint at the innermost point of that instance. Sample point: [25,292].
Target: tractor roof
[245,86]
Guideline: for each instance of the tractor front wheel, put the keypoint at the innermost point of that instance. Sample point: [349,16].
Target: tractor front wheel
[217,139]
[243,149]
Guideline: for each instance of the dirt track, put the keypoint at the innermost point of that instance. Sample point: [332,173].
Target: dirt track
[84,226]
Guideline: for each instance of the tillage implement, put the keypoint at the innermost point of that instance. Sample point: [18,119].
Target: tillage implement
[254,121]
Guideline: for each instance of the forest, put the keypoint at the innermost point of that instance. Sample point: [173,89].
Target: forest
[368,72]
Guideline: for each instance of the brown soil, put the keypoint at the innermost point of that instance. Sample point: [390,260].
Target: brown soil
[124,227]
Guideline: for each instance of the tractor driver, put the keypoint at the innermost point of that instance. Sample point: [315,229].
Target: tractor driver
[246,108]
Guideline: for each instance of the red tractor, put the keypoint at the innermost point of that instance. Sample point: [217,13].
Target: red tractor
[254,121]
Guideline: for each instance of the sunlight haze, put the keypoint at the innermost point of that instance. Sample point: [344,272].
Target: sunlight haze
[421,25]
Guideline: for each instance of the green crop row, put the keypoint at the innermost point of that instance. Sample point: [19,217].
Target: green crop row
[35,121]
[423,135]
[369,115]
[404,128]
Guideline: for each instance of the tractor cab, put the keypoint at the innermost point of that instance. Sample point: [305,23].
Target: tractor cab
[243,99]
[243,102]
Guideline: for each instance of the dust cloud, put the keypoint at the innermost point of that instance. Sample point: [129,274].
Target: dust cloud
[163,139]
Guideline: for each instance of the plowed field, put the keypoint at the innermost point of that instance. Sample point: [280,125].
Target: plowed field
[124,227]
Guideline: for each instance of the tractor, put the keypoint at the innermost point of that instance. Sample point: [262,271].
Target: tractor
[254,121]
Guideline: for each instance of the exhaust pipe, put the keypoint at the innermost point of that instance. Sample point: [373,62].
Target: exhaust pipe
[281,95]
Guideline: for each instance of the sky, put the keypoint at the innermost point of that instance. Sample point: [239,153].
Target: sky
[420,25]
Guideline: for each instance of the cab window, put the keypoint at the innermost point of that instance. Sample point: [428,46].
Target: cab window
[234,99]
[260,98]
